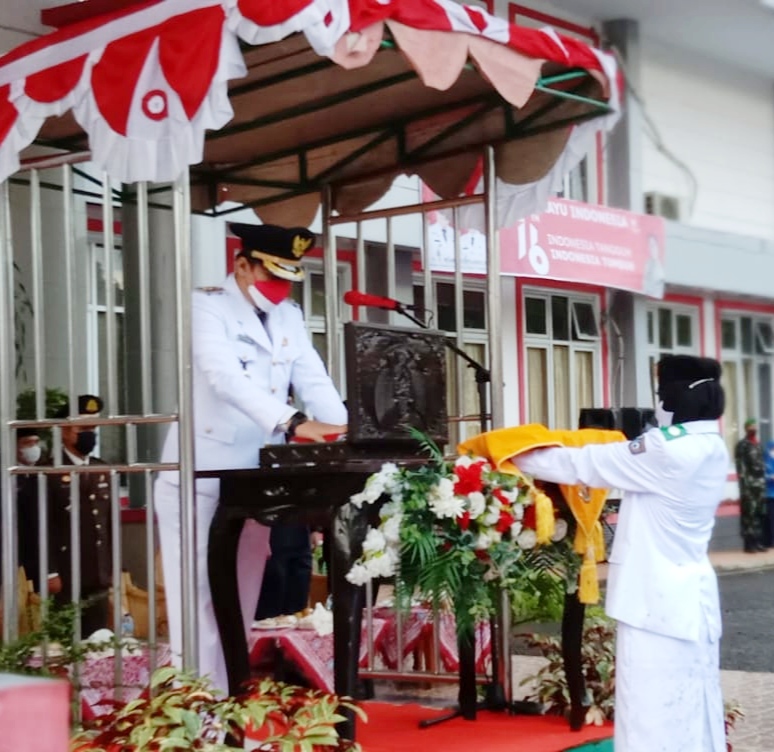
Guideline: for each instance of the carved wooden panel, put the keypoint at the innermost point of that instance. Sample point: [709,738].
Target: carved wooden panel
[396,377]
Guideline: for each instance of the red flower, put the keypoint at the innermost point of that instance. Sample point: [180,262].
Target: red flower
[464,521]
[482,555]
[468,479]
[505,522]
[529,520]
[501,497]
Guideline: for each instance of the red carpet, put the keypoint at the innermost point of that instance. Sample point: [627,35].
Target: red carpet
[394,727]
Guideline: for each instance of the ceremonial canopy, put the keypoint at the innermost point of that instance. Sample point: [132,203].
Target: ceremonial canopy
[269,100]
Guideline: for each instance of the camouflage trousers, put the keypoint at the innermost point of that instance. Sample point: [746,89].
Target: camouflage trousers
[752,514]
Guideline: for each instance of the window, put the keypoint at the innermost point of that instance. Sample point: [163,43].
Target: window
[562,357]
[747,345]
[461,387]
[672,329]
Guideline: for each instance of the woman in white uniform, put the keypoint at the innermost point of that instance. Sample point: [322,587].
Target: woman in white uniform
[250,345]
[661,587]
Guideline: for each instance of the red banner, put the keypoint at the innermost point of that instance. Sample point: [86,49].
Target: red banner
[586,243]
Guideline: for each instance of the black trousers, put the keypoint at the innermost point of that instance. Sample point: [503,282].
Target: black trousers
[285,588]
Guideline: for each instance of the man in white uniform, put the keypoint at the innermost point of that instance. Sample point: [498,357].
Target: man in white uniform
[661,586]
[249,346]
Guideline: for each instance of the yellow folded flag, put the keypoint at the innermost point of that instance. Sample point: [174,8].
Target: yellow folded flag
[502,446]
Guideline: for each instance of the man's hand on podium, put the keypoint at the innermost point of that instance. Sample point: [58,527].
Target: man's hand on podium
[314,430]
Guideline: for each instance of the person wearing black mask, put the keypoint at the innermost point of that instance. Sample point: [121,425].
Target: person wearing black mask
[78,442]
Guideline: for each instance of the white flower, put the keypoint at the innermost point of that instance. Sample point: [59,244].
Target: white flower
[358,499]
[527,539]
[391,528]
[515,530]
[517,510]
[560,530]
[443,502]
[511,495]
[390,509]
[464,461]
[390,476]
[358,575]
[492,516]
[374,542]
[476,504]
[483,542]
[496,536]
[380,565]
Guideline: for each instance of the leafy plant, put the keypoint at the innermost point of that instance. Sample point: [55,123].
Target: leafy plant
[461,533]
[183,712]
[598,666]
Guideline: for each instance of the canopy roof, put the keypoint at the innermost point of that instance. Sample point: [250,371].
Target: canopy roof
[273,99]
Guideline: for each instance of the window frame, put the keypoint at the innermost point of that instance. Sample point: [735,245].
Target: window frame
[548,342]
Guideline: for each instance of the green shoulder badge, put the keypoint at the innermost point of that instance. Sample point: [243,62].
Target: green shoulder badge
[674,432]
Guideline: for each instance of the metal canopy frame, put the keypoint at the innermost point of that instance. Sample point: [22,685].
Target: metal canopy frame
[542,113]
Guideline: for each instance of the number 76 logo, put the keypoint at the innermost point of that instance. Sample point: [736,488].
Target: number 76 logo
[527,238]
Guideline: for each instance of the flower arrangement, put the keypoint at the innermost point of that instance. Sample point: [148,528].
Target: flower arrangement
[458,532]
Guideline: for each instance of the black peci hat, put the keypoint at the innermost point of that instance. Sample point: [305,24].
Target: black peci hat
[88,404]
[280,249]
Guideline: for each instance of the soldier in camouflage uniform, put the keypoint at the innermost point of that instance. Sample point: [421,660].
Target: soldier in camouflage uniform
[752,488]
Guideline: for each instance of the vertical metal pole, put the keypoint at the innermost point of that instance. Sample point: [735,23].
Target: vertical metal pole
[7,413]
[504,676]
[360,257]
[331,290]
[39,347]
[426,271]
[38,331]
[146,394]
[118,585]
[494,291]
[181,204]
[108,242]
[459,320]
[69,250]
[392,287]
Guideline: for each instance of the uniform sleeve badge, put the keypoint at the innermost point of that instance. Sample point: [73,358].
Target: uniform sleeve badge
[637,446]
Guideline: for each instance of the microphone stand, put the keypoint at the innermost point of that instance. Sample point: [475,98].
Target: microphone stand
[495,697]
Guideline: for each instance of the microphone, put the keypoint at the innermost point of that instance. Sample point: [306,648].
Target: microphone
[357,298]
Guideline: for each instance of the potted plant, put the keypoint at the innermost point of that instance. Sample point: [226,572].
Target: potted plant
[182,711]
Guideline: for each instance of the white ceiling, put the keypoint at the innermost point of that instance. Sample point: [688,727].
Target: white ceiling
[740,32]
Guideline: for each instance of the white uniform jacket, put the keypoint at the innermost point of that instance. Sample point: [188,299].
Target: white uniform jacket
[660,578]
[241,378]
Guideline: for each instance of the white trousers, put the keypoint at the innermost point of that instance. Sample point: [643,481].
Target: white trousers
[667,693]
[251,561]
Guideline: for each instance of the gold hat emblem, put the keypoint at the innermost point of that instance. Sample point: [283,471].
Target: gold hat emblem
[92,406]
[301,245]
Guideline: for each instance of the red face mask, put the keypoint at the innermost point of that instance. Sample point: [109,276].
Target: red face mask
[275,290]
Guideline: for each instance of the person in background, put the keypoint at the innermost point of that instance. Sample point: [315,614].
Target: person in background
[28,452]
[661,587]
[752,488]
[768,462]
[94,521]
[250,345]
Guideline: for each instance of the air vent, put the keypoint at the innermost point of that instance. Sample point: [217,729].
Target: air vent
[661,205]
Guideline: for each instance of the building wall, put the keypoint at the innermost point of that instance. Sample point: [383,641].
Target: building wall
[720,123]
